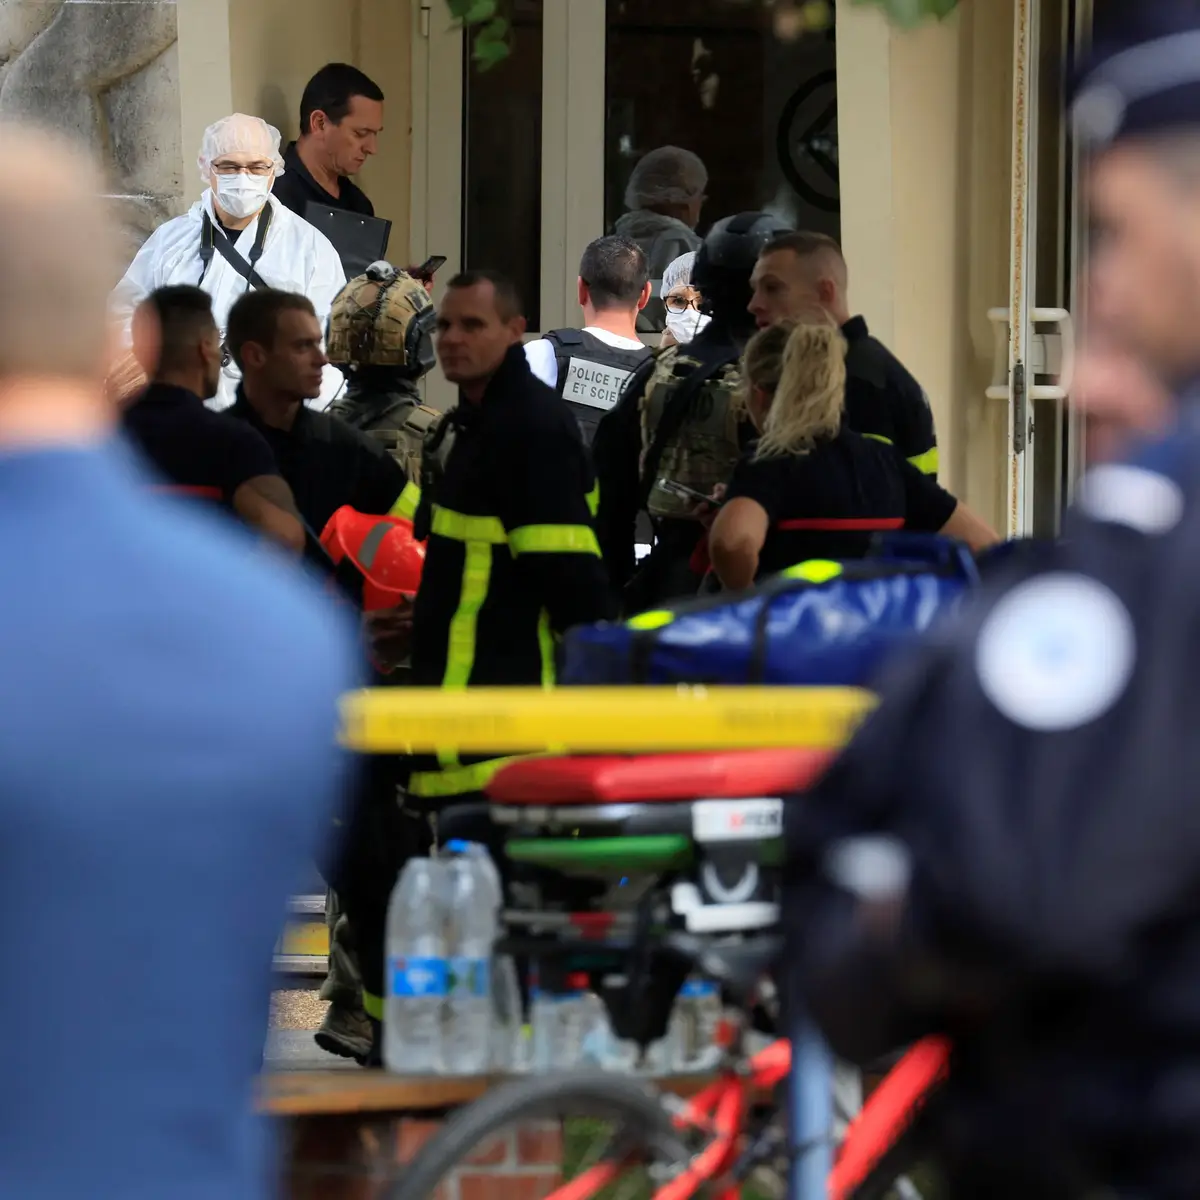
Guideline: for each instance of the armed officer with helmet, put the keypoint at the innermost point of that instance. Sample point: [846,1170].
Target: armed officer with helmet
[381,336]
[678,420]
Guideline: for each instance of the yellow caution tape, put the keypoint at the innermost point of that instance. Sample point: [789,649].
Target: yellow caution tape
[600,720]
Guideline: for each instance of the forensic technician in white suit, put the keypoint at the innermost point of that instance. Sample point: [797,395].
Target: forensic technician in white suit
[235,237]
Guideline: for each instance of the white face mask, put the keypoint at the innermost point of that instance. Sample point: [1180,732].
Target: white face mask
[686,325]
[242,195]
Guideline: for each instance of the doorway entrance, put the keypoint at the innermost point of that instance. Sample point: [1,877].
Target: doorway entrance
[517,168]
[1048,261]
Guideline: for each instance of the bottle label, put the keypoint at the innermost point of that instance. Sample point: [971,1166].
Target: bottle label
[470,978]
[698,989]
[418,976]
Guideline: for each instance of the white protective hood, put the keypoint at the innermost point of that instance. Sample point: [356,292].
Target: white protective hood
[296,258]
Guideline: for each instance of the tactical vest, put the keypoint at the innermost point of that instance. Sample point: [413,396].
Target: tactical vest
[400,421]
[703,448]
[591,374]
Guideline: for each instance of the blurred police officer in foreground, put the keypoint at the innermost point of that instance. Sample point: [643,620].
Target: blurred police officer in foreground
[883,401]
[193,755]
[1038,761]
[381,335]
[678,420]
[588,367]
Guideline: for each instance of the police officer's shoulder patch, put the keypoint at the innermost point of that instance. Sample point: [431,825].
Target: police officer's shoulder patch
[1056,652]
[1124,494]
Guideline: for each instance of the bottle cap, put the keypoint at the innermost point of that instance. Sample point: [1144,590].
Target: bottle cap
[578,980]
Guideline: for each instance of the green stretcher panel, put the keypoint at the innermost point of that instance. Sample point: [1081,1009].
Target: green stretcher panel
[617,855]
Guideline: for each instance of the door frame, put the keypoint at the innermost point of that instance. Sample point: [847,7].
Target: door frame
[573,63]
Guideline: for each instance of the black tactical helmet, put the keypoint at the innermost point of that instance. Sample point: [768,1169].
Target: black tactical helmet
[725,261]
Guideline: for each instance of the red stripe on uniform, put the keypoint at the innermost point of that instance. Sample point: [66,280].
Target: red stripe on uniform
[840,524]
[205,493]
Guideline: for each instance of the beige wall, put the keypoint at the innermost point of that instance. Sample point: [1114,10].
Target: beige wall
[275,46]
[925,148]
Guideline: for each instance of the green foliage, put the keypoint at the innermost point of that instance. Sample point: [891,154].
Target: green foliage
[492,29]
[910,13]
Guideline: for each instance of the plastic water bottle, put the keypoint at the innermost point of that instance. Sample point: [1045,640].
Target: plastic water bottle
[693,1033]
[560,1025]
[473,918]
[509,1051]
[417,970]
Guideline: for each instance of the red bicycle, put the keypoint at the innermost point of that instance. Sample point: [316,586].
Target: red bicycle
[696,837]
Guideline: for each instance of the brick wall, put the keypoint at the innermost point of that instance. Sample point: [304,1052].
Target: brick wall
[357,1157]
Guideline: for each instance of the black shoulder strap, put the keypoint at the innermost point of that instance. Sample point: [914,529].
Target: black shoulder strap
[211,237]
[564,337]
[712,358]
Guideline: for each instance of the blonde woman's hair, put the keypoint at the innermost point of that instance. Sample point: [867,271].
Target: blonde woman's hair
[803,368]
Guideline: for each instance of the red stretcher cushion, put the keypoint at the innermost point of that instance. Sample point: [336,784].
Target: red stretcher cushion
[725,775]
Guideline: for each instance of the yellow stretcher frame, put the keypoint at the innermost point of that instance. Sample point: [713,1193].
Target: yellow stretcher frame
[613,720]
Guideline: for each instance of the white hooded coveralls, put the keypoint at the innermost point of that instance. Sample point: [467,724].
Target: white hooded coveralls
[296,258]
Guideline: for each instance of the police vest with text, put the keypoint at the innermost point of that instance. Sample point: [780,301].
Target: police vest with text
[591,374]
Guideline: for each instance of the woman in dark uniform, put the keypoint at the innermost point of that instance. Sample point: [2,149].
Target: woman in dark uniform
[810,487]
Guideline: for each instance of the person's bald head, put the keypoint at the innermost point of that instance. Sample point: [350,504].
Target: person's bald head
[58,260]
[795,273]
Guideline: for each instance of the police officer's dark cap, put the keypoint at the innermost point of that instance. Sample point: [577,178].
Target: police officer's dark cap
[1142,80]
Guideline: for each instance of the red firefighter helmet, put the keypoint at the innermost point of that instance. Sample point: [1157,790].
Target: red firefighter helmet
[383,549]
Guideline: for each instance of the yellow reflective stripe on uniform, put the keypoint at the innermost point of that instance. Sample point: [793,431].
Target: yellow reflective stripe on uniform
[817,570]
[460,648]
[459,527]
[408,503]
[433,785]
[554,539]
[878,437]
[650,620]
[593,500]
[372,1005]
[546,645]
[926,463]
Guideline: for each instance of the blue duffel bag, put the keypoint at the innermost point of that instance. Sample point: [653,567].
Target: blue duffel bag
[817,624]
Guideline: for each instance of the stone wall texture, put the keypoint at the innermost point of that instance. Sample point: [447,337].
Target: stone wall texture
[107,73]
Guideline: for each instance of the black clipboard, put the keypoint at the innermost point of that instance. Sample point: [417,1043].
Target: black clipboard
[359,240]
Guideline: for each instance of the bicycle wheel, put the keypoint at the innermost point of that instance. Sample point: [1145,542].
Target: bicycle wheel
[607,1134]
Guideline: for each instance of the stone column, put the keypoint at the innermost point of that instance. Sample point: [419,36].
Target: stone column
[107,73]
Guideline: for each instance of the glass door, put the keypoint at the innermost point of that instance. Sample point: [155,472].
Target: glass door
[1034,365]
[519,167]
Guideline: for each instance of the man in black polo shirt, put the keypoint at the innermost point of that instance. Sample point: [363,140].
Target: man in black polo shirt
[883,401]
[177,342]
[275,339]
[341,118]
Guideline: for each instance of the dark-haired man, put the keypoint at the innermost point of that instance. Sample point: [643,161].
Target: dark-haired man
[201,453]
[512,556]
[588,367]
[276,341]
[799,270]
[341,118]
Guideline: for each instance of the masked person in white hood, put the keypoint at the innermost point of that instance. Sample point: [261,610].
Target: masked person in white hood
[682,302]
[237,236]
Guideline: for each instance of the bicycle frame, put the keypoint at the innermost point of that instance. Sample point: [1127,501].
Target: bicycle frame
[723,1106]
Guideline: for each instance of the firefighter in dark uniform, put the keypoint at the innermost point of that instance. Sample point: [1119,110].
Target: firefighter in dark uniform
[511,559]
[588,367]
[1036,764]
[381,337]
[678,419]
[883,401]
